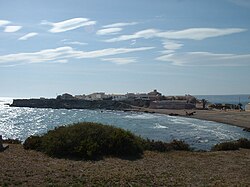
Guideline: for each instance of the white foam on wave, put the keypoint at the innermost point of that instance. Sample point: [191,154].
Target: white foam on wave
[140,116]
[158,126]
[178,120]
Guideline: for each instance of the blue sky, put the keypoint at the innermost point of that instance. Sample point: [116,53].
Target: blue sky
[82,46]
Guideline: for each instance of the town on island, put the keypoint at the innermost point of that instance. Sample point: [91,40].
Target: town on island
[128,101]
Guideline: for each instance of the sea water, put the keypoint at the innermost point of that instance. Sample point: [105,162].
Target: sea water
[20,123]
[227,99]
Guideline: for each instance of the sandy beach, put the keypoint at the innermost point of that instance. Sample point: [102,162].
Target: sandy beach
[231,117]
[30,168]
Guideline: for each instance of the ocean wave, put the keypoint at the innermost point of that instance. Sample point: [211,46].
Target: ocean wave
[140,116]
[158,126]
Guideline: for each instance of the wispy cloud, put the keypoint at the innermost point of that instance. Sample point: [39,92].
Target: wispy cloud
[133,42]
[122,24]
[148,33]
[108,31]
[171,45]
[74,43]
[192,33]
[64,53]
[69,24]
[12,28]
[4,22]
[199,33]
[120,61]
[206,59]
[27,36]
[63,61]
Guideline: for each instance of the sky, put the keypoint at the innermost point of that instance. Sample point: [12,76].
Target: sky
[197,47]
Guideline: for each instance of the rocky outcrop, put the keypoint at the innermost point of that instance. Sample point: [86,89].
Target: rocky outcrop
[2,146]
[70,104]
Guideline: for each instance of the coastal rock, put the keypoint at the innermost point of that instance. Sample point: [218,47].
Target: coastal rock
[246,129]
[2,146]
[70,104]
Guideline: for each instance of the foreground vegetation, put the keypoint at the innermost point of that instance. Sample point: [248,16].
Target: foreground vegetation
[93,141]
[158,166]
[21,167]
[232,145]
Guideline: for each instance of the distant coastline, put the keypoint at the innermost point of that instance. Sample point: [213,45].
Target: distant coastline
[226,110]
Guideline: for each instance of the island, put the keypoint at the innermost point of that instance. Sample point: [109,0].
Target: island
[152,102]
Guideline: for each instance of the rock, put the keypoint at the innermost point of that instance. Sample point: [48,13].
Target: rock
[70,104]
[2,146]
[246,129]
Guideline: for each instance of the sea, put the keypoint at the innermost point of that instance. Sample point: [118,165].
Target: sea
[227,99]
[20,123]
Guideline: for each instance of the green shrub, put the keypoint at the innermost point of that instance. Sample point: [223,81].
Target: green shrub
[244,143]
[12,141]
[233,145]
[33,142]
[152,145]
[160,146]
[179,145]
[86,141]
[226,146]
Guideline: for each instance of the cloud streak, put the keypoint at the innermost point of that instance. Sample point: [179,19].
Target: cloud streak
[122,24]
[27,36]
[62,54]
[12,28]
[206,59]
[4,22]
[192,34]
[120,61]
[74,43]
[108,31]
[68,25]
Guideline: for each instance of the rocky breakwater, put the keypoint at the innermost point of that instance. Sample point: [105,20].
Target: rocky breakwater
[70,104]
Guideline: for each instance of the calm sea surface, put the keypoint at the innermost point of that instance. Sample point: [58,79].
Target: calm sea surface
[22,122]
[230,99]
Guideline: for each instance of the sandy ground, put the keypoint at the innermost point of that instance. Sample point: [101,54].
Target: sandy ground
[30,168]
[231,117]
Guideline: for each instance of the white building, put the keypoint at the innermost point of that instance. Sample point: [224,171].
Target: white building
[142,96]
[118,97]
[247,107]
[97,96]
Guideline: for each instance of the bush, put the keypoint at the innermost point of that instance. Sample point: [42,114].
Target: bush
[225,146]
[179,145]
[233,145]
[12,141]
[160,146]
[33,142]
[86,141]
[244,143]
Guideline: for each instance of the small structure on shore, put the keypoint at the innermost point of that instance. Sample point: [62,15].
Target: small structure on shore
[247,107]
[169,104]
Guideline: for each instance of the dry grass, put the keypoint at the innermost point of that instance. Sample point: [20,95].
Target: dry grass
[30,168]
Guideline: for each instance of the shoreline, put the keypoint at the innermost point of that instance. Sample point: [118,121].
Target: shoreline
[229,117]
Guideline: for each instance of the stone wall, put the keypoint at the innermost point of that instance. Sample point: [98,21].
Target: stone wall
[167,104]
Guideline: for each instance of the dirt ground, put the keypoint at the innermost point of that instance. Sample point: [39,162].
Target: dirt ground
[20,167]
